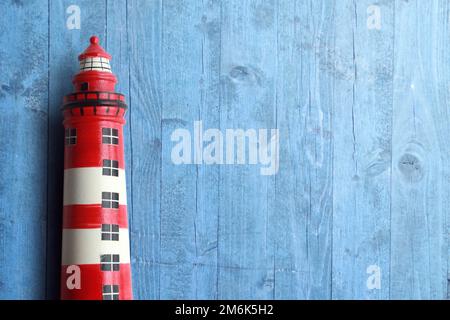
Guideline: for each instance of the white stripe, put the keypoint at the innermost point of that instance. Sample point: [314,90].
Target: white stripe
[85,186]
[85,246]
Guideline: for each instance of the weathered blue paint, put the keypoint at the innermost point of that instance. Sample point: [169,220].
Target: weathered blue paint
[362,132]
[24,138]
[363,119]
[419,168]
[144,36]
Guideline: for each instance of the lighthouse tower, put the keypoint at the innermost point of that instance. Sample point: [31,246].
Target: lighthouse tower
[95,245]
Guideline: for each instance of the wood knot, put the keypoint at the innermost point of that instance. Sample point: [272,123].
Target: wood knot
[411,167]
[243,74]
[239,73]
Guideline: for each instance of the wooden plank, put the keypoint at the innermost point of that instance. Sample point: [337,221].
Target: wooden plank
[23,132]
[291,205]
[116,45]
[443,112]
[65,46]
[207,207]
[189,192]
[248,101]
[301,214]
[362,130]
[420,189]
[144,39]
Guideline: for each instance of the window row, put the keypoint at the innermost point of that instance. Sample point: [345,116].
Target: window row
[110,168]
[101,67]
[109,262]
[110,200]
[110,292]
[100,64]
[110,232]
[109,136]
[70,136]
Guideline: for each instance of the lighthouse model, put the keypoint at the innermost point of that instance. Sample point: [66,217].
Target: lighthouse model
[95,241]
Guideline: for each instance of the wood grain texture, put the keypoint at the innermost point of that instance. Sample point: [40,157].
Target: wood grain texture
[362,132]
[248,95]
[189,196]
[363,118]
[302,204]
[24,138]
[145,102]
[419,192]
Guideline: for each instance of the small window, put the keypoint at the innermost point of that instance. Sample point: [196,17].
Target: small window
[110,136]
[110,232]
[110,200]
[84,86]
[109,262]
[110,167]
[70,136]
[111,292]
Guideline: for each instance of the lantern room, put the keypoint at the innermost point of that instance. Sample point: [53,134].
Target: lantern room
[95,70]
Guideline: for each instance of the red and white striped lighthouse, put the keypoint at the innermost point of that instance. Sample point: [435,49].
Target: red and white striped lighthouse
[95,248]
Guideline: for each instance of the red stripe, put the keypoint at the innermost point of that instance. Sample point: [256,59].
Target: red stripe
[89,151]
[92,280]
[82,216]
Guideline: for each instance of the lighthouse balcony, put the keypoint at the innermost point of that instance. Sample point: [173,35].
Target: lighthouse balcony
[94,103]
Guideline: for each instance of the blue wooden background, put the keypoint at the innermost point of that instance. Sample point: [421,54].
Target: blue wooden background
[364,128]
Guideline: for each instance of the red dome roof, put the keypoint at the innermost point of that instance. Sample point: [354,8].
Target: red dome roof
[94,50]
